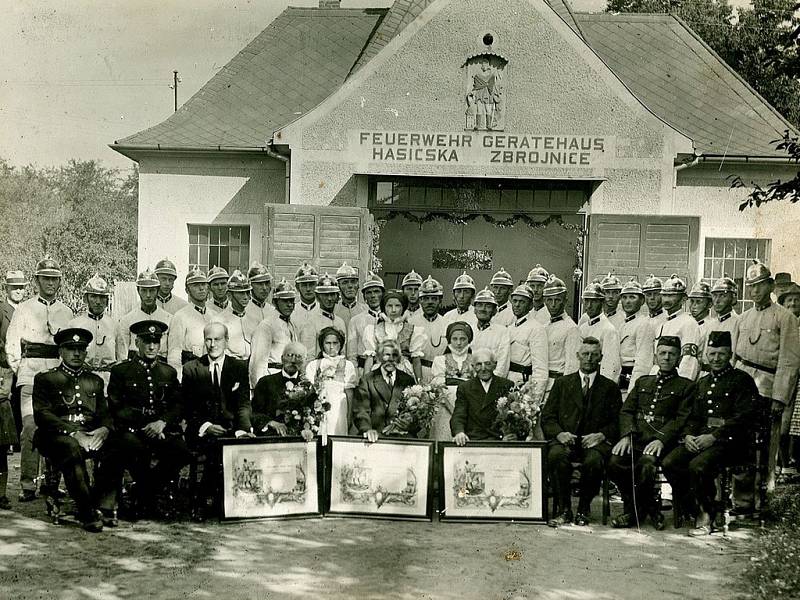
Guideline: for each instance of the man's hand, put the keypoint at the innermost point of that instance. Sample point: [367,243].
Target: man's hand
[592,439]
[690,442]
[280,428]
[566,438]
[622,447]
[510,437]
[654,448]
[244,434]
[461,439]
[155,429]
[216,430]
[371,436]
[704,441]
[402,423]
[84,440]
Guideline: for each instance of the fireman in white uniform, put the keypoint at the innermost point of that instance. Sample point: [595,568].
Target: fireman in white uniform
[490,335]
[349,304]
[241,326]
[186,340]
[410,288]
[166,273]
[563,336]
[680,324]
[218,289]
[724,294]
[372,292]
[501,286]
[635,337]
[528,342]
[463,294]
[699,304]
[101,353]
[259,307]
[323,316]
[612,290]
[306,283]
[537,278]
[432,323]
[272,334]
[594,323]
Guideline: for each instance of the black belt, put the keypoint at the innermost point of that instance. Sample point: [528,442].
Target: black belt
[518,368]
[37,350]
[426,363]
[714,422]
[753,365]
[186,356]
[554,374]
[361,361]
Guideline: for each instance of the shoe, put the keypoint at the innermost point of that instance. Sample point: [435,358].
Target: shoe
[659,523]
[109,517]
[581,519]
[95,526]
[4,503]
[622,521]
[700,531]
[565,518]
[27,495]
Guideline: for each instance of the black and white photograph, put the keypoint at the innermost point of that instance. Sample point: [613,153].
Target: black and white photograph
[437,299]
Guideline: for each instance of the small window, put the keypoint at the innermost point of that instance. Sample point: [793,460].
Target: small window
[731,257]
[223,246]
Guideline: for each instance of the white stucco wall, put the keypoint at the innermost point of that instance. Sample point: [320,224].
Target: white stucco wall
[178,190]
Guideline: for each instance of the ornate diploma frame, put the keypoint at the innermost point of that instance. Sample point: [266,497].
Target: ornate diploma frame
[391,478]
[272,478]
[492,481]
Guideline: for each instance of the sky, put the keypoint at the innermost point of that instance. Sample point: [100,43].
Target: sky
[75,75]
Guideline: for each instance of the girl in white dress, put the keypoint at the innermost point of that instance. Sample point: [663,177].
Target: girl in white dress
[335,378]
[393,325]
[452,368]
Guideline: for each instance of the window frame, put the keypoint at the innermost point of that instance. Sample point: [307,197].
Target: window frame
[205,252]
[739,263]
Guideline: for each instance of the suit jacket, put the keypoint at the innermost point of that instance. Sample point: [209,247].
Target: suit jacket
[475,410]
[267,400]
[229,408]
[375,404]
[566,409]
[6,312]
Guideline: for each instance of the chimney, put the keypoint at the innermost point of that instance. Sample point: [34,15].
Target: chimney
[330,3]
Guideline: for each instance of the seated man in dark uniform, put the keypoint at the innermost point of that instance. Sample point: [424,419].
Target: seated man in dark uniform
[144,399]
[475,409]
[580,421]
[717,433]
[73,424]
[652,416]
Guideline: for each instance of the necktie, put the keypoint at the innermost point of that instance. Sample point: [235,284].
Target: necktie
[215,379]
[585,386]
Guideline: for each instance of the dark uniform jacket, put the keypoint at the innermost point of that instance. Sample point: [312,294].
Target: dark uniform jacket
[657,408]
[476,410]
[566,409]
[228,407]
[724,405]
[375,404]
[66,402]
[140,393]
[6,312]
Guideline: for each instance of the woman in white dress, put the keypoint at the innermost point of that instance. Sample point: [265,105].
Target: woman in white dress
[335,378]
[393,325]
[452,368]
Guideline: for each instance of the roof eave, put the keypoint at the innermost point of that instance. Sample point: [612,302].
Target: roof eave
[131,151]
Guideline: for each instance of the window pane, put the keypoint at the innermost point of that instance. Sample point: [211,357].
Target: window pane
[236,236]
[708,269]
[448,198]
[245,236]
[203,240]
[741,249]
[214,236]
[417,196]
[193,234]
[223,258]
[223,235]
[433,197]
[233,258]
[213,256]
[730,248]
[194,254]
[383,193]
[244,259]
[709,247]
[508,199]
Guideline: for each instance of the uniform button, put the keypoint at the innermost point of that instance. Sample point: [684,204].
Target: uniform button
[713,384]
[78,395]
[711,402]
[708,392]
[149,378]
[79,403]
[77,387]
[710,411]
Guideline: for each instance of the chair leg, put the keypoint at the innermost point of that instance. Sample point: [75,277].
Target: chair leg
[726,485]
[606,499]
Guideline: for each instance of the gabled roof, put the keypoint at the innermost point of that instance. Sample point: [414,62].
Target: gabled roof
[683,81]
[306,54]
[302,57]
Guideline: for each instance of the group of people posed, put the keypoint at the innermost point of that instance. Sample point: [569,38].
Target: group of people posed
[638,383]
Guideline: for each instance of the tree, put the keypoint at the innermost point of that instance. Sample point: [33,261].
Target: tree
[82,214]
[777,190]
[760,44]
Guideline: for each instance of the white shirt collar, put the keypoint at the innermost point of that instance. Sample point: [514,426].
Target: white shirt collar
[211,362]
[486,384]
[287,376]
[591,377]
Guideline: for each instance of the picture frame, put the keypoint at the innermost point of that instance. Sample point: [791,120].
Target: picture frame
[388,479]
[492,481]
[272,478]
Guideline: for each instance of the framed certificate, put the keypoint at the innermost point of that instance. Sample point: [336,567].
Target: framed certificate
[390,478]
[492,481]
[271,478]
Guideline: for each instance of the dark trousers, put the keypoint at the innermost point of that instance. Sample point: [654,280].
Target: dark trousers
[171,453]
[67,456]
[559,469]
[635,477]
[16,407]
[692,476]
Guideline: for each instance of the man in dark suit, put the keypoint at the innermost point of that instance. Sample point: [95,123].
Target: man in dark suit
[378,397]
[267,416]
[216,394]
[581,422]
[476,401]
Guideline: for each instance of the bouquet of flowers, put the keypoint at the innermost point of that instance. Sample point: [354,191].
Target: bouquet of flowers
[419,405]
[519,410]
[298,415]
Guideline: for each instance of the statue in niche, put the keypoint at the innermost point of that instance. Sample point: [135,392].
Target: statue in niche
[485,103]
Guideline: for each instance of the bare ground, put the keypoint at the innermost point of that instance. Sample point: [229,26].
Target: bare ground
[357,558]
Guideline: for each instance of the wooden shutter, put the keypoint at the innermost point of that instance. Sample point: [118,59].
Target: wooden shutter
[638,245]
[324,236]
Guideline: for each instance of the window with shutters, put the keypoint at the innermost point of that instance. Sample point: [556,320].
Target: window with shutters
[640,245]
[226,246]
[730,257]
